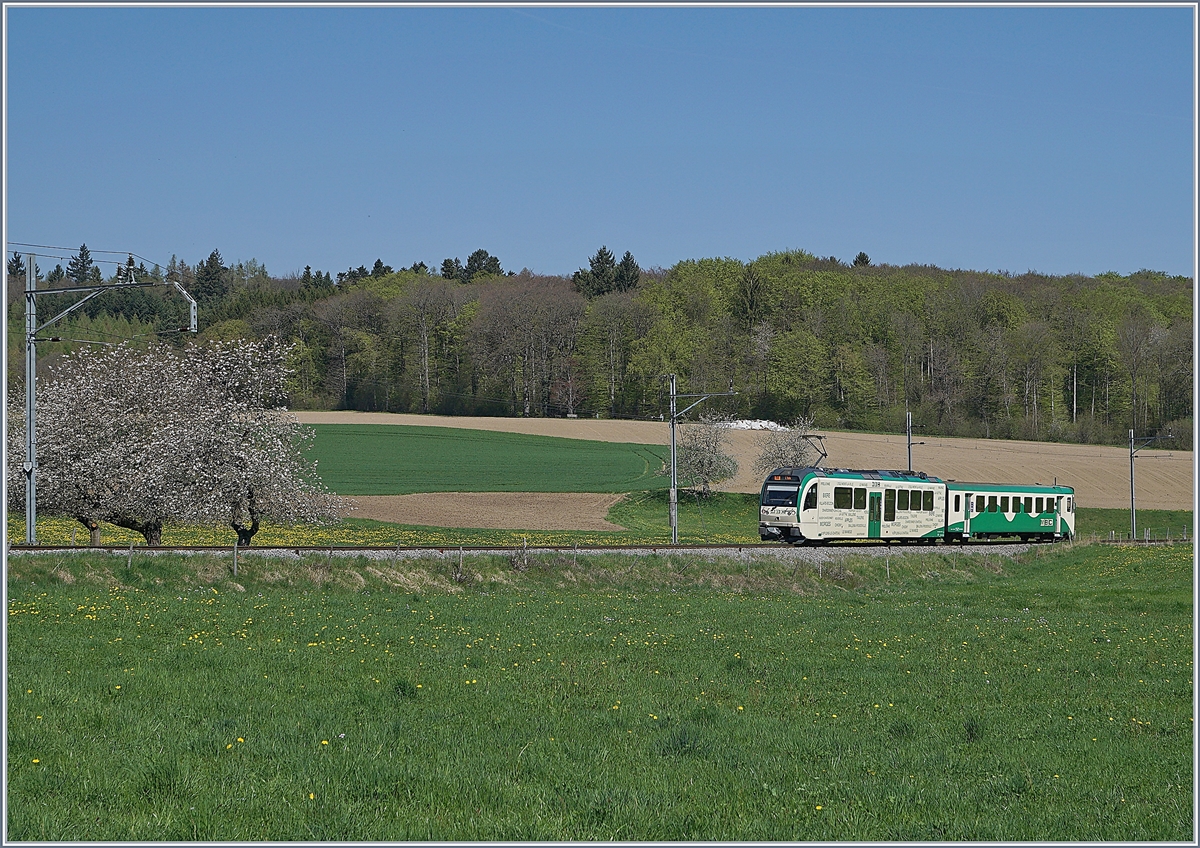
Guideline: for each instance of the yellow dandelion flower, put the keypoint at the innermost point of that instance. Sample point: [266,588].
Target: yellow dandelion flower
[36,760]
[324,741]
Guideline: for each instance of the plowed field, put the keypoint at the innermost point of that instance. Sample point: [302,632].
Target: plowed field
[1100,475]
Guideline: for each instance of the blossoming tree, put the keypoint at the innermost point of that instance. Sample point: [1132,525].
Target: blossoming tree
[138,437]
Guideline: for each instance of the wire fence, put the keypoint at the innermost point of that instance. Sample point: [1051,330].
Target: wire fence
[1145,536]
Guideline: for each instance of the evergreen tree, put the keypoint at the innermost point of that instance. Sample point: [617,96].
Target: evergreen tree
[16,266]
[862,260]
[419,268]
[57,273]
[452,269]
[627,273]
[481,264]
[210,284]
[380,270]
[79,269]
[601,279]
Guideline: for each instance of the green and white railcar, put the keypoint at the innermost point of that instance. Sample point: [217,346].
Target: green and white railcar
[993,510]
[825,504]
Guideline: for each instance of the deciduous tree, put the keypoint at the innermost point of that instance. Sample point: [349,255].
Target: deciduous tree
[786,447]
[137,438]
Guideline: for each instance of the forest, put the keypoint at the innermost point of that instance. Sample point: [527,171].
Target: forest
[851,345]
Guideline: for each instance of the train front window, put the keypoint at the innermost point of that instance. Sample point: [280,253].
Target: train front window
[781,496]
[810,497]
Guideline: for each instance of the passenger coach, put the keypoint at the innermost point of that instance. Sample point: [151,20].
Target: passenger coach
[991,510]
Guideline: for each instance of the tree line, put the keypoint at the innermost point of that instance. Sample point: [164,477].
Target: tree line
[845,345]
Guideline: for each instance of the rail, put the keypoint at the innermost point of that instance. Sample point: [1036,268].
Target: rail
[508,549]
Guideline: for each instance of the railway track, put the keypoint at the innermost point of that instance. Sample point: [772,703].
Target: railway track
[749,547]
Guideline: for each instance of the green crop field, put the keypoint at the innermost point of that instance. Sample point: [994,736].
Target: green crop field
[356,459]
[952,697]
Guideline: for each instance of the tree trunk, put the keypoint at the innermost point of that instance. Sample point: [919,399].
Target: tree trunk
[93,527]
[151,529]
[245,534]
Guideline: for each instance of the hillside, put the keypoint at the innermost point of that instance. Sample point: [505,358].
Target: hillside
[970,353]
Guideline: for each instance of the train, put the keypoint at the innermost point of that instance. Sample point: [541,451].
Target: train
[818,505]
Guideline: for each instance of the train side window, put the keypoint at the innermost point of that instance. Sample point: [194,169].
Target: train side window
[991,503]
[957,503]
[843,497]
[1017,505]
[1039,504]
[914,502]
[860,498]
[810,497]
[1068,503]
[927,501]
[902,499]
[1029,505]
[1004,503]
[889,505]
[979,503]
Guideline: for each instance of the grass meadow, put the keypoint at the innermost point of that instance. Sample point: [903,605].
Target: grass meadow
[952,697]
[358,459]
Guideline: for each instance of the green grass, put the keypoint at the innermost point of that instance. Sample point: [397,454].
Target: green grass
[355,459]
[1158,521]
[605,699]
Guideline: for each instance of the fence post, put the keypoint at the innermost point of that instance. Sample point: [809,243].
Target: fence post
[235,544]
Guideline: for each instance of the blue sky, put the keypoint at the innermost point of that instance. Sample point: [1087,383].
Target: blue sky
[1052,139]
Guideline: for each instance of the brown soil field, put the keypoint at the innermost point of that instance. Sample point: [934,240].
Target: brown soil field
[492,510]
[1099,474]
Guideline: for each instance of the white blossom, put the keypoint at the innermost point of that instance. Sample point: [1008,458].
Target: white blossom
[136,437]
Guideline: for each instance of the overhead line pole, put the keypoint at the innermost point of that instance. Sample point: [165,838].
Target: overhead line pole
[30,467]
[908,432]
[31,330]
[675,416]
[1132,500]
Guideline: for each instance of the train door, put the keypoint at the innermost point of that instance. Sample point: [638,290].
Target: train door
[967,514]
[874,515]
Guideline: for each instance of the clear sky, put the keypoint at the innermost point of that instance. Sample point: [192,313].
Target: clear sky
[1053,139]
